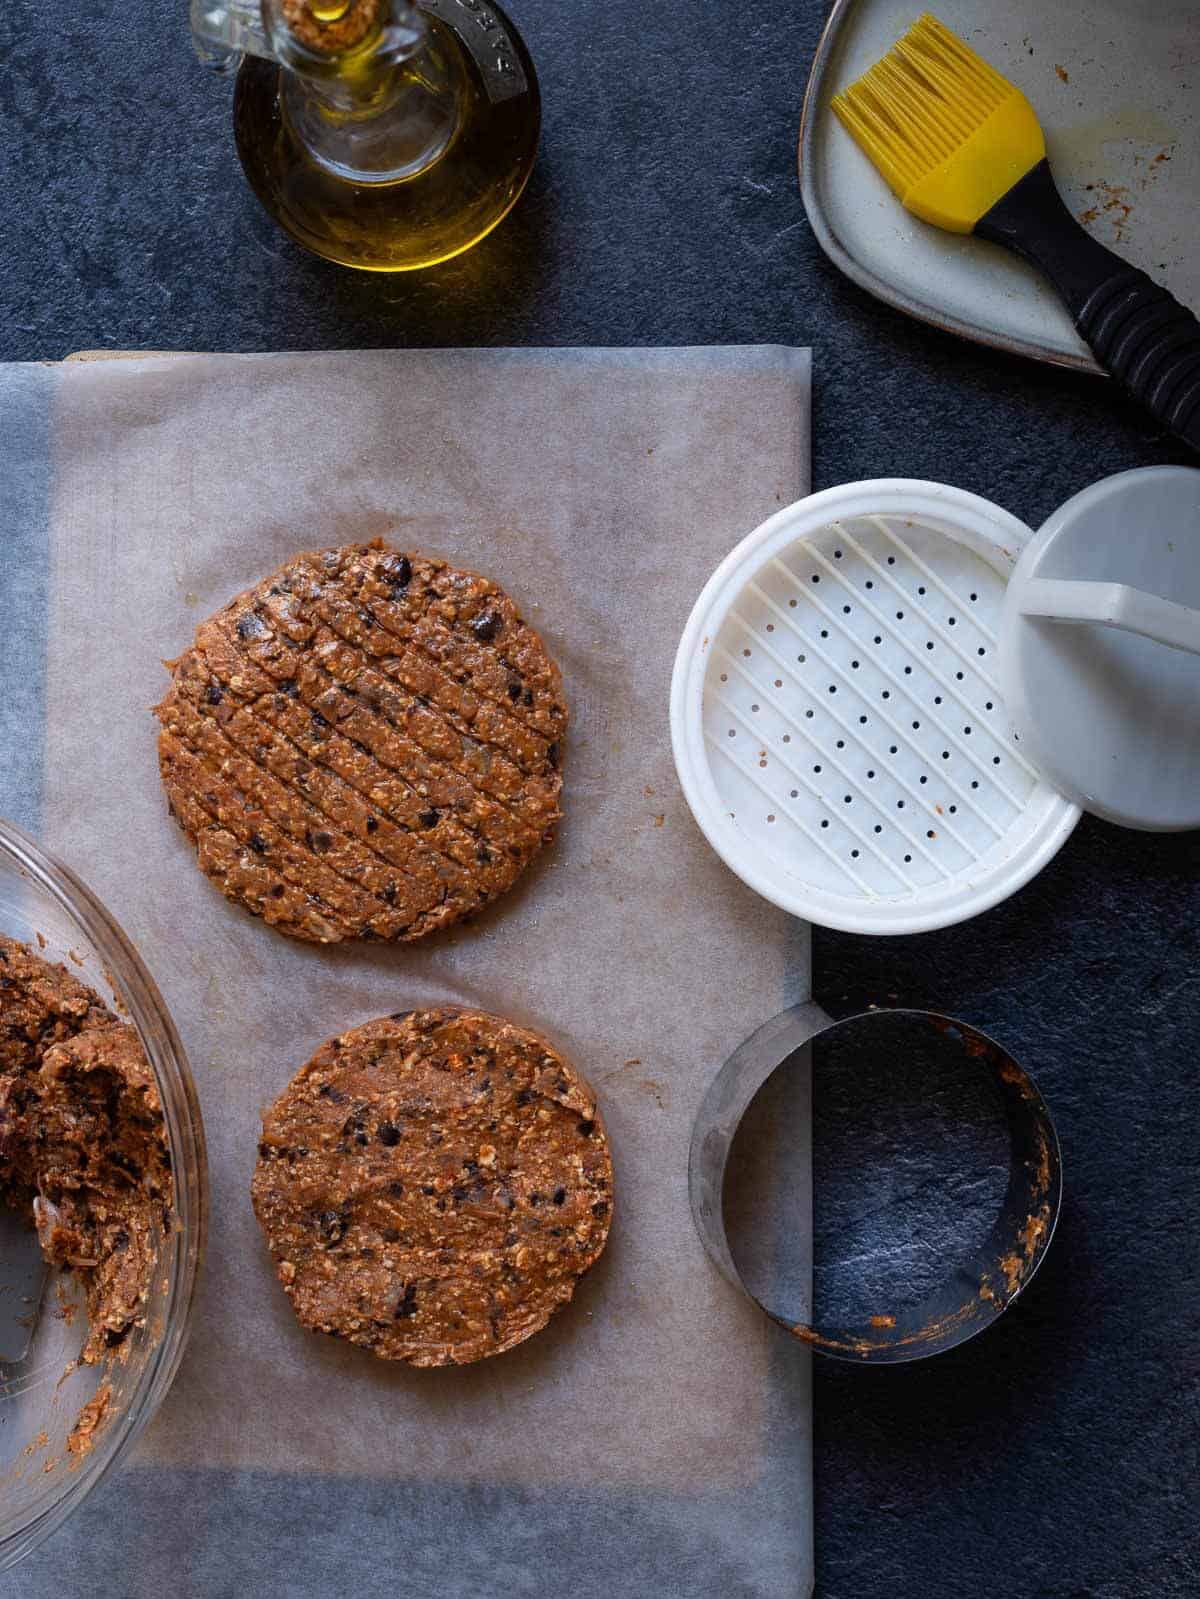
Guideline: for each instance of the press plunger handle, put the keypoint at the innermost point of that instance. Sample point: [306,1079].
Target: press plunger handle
[1116,605]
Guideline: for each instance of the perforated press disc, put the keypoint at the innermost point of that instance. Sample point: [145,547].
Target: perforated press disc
[837,725]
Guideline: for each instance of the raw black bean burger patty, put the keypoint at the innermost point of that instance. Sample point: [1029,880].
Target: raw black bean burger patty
[433,1185]
[364,745]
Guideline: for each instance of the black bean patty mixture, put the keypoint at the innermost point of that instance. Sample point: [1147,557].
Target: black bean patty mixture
[365,745]
[433,1185]
[83,1147]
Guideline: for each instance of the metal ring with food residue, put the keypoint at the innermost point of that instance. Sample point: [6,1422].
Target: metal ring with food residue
[977,1288]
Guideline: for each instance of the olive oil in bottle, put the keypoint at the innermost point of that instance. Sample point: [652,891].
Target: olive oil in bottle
[379,134]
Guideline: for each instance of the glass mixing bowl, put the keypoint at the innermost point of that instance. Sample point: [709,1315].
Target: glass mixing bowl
[42,1326]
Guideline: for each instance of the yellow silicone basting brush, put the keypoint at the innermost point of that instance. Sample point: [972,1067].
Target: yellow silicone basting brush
[962,148]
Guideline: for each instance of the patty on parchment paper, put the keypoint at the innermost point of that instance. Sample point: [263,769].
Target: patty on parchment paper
[364,745]
[432,1186]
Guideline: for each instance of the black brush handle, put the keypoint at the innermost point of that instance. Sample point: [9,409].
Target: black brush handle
[1139,332]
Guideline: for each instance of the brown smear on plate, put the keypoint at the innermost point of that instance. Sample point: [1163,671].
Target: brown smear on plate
[1115,203]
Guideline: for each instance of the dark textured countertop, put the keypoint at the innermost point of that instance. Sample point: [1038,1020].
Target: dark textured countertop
[1057,1455]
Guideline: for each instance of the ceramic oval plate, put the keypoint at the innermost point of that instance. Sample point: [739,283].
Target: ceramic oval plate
[1116,85]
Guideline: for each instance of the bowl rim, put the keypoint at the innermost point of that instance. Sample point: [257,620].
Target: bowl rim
[147,1011]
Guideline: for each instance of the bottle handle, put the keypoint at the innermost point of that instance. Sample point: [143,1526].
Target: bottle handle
[223,31]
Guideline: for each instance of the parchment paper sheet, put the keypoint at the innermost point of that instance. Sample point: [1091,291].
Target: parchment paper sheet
[656,1437]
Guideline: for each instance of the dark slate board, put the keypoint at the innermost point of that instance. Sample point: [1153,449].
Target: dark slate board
[1057,1455]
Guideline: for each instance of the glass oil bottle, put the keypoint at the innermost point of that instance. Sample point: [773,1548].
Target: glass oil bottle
[379,134]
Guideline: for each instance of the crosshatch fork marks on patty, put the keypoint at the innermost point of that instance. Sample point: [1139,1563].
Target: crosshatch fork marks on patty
[366,744]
